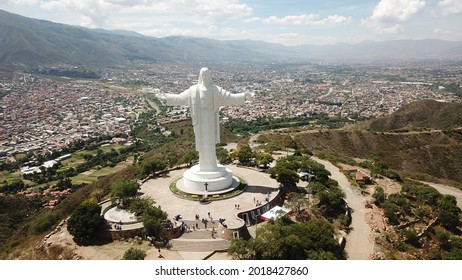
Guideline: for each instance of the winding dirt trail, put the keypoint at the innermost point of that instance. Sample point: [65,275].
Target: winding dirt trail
[359,245]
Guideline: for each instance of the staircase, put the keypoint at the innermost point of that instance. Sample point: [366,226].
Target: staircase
[199,241]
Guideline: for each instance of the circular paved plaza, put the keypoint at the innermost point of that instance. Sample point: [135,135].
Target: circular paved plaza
[261,186]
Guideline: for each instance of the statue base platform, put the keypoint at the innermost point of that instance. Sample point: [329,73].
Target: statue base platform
[219,181]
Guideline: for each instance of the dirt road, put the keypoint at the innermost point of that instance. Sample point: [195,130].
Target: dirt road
[359,245]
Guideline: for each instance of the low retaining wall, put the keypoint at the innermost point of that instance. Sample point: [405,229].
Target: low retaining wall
[248,218]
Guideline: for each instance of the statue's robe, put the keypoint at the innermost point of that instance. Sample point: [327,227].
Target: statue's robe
[204,103]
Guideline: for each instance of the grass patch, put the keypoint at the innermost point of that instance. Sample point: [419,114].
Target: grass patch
[6,176]
[237,191]
[93,175]
[83,178]
[73,161]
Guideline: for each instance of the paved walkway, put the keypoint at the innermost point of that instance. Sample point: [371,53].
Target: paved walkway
[260,187]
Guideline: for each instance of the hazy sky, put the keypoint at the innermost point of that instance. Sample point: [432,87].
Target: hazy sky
[290,22]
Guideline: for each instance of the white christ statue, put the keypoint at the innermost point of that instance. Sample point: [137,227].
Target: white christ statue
[204,101]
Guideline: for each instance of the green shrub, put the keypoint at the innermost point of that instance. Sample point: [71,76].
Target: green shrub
[44,223]
[134,254]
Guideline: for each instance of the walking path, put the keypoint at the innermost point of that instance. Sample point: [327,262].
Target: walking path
[359,245]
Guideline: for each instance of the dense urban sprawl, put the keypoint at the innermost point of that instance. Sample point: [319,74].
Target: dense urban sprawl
[44,113]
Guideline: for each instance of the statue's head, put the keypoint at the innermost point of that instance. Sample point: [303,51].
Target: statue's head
[205,76]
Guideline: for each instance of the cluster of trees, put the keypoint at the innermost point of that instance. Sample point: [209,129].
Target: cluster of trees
[239,126]
[330,199]
[454,88]
[126,191]
[67,72]
[378,167]
[416,198]
[423,203]
[86,221]
[285,240]
[12,187]
[287,168]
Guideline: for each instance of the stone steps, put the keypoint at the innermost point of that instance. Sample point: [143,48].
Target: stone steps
[199,245]
[199,240]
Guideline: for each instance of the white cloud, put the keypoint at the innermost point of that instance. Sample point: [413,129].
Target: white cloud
[449,7]
[389,13]
[440,31]
[21,2]
[252,20]
[212,31]
[388,30]
[308,19]
[96,13]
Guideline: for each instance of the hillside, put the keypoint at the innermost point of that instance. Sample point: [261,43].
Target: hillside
[435,153]
[425,114]
[422,138]
[30,42]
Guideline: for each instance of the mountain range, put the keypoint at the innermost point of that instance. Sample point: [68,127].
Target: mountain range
[27,42]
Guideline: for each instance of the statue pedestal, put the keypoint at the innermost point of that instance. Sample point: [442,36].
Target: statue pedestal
[218,181]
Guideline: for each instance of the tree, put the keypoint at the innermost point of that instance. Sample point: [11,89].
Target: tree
[264,159]
[190,157]
[141,205]
[85,221]
[222,155]
[172,160]
[331,202]
[288,178]
[151,226]
[379,195]
[242,249]
[315,168]
[124,190]
[134,254]
[449,213]
[245,154]
[152,218]
[64,184]
[296,201]
[316,187]
[152,166]
[443,238]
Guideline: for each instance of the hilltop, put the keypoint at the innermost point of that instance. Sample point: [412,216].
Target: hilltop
[28,42]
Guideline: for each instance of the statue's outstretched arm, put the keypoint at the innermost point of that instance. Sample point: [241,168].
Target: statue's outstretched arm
[176,99]
[235,99]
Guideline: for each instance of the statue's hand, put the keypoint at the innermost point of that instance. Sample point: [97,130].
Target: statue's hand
[249,94]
